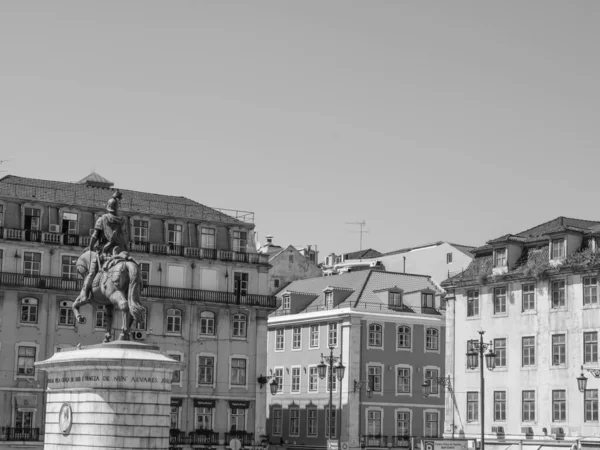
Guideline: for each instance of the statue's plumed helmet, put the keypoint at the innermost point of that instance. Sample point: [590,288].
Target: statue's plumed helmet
[113,203]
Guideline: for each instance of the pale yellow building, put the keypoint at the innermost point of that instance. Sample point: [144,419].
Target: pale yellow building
[535,294]
[205,293]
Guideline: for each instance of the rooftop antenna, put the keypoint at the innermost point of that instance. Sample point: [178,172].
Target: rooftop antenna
[362,231]
[2,161]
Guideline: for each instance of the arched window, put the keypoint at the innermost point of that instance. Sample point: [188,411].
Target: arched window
[174,321]
[29,310]
[66,317]
[404,336]
[431,339]
[239,325]
[207,323]
[375,335]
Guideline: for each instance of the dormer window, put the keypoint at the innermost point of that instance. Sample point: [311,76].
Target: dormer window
[395,299]
[286,302]
[427,300]
[559,248]
[500,257]
[329,299]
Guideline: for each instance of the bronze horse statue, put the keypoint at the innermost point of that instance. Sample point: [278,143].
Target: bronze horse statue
[119,285]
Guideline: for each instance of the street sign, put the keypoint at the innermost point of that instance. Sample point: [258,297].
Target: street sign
[332,445]
[445,444]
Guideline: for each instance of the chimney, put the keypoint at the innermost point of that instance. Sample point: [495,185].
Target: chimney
[269,239]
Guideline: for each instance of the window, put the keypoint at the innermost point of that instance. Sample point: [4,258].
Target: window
[66,317]
[174,321]
[403,380]
[145,274]
[314,336]
[395,299]
[313,379]
[207,323]
[140,231]
[427,301]
[311,426]
[286,303]
[294,421]
[23,419]
[295,379]
[25,360]
[240,284]
[590,291]
[291,258]
[331,429]
[559,406]
[237,419]
[32,219]
[176,377]
[528,348]
[528,398]
[472,406]
[296,338]
[142,325]
[69,269]
[279,378]
[329,299]
[431,339]
[333,335]
[1,253]
[500,350]
[472,303]
[174,231]
[276,283]
[69,223]
[500,300]
[1,215]
[373,426]
[403,336]
[432,374]
[332,380]
[29,310]
[403,423]
[101,321]
[472,346]
[206,370]
[207,237]
[558,248]
[203,418]
[500,257]
[32,264]
[499,406]
[374,373]
[590,347]
[431,424]
[238,371]
[448,258]
[558,349]
[558,294]
[277,421]
[239,325]
[279,339]
[375,335]
[591,405]
[528,297]
[240,239]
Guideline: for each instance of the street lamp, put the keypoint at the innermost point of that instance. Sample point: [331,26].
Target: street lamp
[477,350]
[273,385]
[338,371]
[426,386]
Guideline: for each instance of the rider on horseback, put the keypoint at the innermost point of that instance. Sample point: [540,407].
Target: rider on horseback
[108,240]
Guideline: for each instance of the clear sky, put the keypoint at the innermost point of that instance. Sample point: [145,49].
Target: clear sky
[430,120]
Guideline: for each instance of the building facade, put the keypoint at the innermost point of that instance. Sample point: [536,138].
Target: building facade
[204,291]
[535,294]
[388,329]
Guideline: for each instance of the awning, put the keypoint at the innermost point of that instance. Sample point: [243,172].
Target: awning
[204,403]
[239,404]
[25,402]
[176,402]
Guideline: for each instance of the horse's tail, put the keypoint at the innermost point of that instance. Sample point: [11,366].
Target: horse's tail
[135,288]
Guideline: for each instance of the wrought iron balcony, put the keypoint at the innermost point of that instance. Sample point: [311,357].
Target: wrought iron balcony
[203,437]
[244,437]
[198,295]
[22,434]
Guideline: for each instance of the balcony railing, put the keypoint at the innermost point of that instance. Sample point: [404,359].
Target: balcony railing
[22,434]
[200,437]
[382,441]
[242,436]
[200,295]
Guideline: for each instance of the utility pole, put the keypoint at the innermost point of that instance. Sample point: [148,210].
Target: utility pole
[362,231]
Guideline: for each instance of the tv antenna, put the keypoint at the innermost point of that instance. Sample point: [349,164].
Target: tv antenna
[2,161]
[362,230]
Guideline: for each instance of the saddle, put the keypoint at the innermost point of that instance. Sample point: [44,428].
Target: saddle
[114,260]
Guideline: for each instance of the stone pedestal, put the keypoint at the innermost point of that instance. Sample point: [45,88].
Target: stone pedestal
[108,396]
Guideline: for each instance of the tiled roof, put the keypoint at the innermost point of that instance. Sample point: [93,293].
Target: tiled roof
[363,284]
[555,223]
[466,249]
[88,195]
[362,254]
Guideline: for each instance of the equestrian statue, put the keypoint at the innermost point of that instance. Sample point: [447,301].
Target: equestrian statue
[111,276]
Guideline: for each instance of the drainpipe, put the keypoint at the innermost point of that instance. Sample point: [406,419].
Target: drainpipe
[404,258]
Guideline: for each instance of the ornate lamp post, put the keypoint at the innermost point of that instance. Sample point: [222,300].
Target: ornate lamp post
[477,352]
[338,370]
[426,386]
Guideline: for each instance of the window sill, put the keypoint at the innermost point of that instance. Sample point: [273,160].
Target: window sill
[27,324]
[296,349]
[529,312]
[66,327]
[404,349]
[404,394]
[560,309]
[528,367]
[206,336]
[473,317]
[495,316]
[313,348]
[240,338]
[173,334]
[500,369]
[591,306]
[558,367]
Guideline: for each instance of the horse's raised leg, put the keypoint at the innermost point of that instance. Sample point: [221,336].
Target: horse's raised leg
[78,303]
